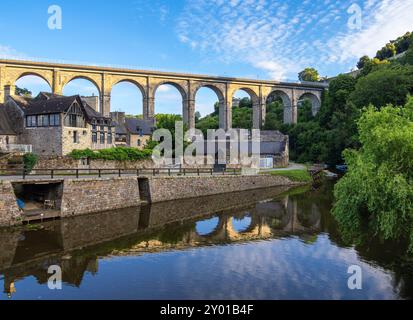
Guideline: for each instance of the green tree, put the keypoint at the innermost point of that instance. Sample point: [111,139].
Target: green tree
[338,94]
[388,84]
[377,191]
[242,117]
[372,65]
[274,116]
[309,74]
[23,92]
[209,122]
[305,111]
[245,103]
[388,51]
[363,61]
[197,116]
[408,57]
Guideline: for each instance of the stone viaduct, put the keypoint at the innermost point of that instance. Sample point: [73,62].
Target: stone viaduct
[104,78]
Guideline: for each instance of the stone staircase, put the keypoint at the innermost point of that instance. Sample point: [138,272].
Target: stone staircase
[13,163]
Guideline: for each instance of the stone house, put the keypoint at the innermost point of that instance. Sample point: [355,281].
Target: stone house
[56,125]
[132,132]
[274,149]
[7,134]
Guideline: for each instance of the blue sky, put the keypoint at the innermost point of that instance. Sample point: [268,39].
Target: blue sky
[270,39]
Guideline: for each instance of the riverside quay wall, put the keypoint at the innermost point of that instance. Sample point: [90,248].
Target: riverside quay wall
[90,195]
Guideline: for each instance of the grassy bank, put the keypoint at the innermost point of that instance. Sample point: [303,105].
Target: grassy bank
[295,175]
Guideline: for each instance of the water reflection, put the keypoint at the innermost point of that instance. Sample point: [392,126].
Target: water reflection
[273,232]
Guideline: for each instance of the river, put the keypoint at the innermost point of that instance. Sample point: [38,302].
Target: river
[262,244]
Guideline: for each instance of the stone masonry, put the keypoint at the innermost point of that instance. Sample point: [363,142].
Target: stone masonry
[94,195]
[9,212]
[172,188]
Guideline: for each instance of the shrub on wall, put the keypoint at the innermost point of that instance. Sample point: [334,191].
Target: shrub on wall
[118,153]
[29,161]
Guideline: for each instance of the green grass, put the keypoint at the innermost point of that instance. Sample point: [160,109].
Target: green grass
[295,175]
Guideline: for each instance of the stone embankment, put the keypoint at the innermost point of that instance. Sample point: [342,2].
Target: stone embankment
[91,195]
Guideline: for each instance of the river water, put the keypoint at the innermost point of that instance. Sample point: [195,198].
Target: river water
[263,244]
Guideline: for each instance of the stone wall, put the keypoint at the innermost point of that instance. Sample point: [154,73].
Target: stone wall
[70,163]
[171,188]
[84,139]
[45,141]
[133,141]
[9,211]
[96,195]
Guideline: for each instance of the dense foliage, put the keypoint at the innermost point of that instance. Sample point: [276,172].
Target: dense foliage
[118,153]
[395,47]
[29,161]
[241,117]
[22,92]
[386,84]
[377,191]
[324,137]
[309,74]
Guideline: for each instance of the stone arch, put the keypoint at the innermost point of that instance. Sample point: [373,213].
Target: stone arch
[256,105]
[287,103]
[220,90]
[136,94]
[254,94]
[93,79]
[46,76]
[178,86]
[314,99]
[135,82]
[217,90]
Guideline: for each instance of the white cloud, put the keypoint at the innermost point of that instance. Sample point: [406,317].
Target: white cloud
[7,52]
[388,20]
[164,88]
[279,38]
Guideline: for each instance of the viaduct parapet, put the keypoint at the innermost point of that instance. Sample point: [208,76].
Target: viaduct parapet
[58,75]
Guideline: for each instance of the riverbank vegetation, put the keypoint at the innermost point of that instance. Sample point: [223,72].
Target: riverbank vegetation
[324,137]
[377,191]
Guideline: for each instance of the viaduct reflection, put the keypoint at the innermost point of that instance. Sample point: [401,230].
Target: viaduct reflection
[75,244]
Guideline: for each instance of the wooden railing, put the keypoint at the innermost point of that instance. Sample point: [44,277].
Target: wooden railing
[53,173]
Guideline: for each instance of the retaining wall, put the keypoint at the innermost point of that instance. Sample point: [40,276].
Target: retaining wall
[172,188]
[85,196]
[9,211]
[95,195]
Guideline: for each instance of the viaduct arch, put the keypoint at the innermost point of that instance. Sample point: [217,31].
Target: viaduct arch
[58,75]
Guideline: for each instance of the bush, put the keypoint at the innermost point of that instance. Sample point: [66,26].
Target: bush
[386,85]
[118,154]
[29,161]
[377,191]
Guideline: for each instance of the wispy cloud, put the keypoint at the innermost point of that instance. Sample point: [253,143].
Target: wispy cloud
[281,37]
[7,52]
[382,21]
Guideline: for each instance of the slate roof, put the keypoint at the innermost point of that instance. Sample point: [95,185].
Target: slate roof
[120,128]
[92,113]
[5,122]
[134,126]
[47,103]
[51,105]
